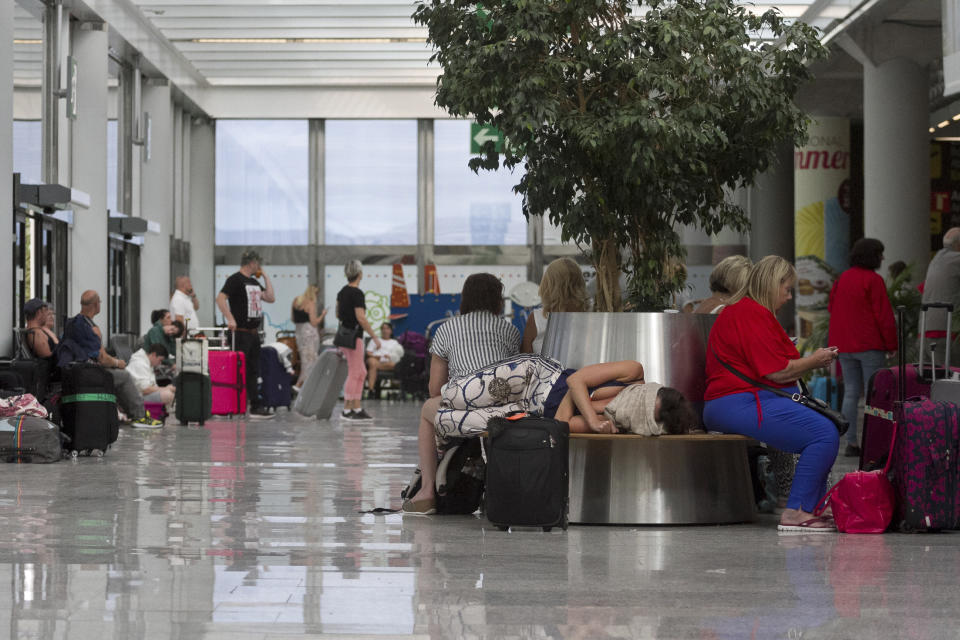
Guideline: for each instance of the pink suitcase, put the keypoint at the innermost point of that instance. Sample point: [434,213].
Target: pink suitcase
[228,379]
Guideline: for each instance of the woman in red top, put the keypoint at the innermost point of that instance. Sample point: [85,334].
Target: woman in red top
[748,337]
[861,327]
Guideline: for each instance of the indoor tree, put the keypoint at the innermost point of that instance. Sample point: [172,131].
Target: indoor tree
[628,122]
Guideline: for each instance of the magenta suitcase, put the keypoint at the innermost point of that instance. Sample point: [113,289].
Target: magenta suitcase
[228,380]
[882,392]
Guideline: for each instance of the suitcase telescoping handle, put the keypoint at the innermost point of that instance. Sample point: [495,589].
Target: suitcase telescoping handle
[221,330]
[901,357]
[923,336]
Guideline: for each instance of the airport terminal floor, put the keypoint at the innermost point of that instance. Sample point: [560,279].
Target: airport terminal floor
[252,531]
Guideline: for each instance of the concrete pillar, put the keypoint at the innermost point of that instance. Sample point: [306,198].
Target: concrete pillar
[771,208]
[6,171]
[896,164]
[88,238]
[156,201]
[200,218]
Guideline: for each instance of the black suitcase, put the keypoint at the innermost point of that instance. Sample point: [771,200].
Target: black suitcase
[527,480]
[194,397]
[88,409]
[33,373]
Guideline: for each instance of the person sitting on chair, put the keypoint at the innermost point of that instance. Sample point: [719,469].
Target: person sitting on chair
[383,358]
[142,366]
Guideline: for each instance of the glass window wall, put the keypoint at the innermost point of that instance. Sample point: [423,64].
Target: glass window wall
[370,182]
[262,180]
[472,208]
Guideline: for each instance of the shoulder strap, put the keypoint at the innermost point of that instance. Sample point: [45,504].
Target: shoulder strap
[757,383]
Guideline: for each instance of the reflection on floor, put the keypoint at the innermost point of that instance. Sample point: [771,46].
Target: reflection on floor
[251,530]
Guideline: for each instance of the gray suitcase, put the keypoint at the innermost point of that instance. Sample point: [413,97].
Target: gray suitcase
[947,388]
[321,390]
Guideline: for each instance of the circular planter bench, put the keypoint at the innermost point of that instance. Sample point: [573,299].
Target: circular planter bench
[688,479]
[628,479]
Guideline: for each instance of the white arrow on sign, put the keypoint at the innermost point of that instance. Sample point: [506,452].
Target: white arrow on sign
[483,136]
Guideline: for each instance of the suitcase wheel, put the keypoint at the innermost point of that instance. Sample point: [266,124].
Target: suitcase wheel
[547,529]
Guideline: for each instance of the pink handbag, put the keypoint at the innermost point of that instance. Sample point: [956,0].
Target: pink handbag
[862,501]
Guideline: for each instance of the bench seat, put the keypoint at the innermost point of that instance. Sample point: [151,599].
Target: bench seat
[671,479]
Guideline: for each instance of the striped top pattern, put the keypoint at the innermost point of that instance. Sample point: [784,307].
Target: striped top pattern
[473,341]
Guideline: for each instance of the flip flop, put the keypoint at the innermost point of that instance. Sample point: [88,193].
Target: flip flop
[808,526]
[426,507]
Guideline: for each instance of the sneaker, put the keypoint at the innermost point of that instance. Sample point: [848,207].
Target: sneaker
[360,414]
[851,451]
[259,413]
[146,422]
[349,415]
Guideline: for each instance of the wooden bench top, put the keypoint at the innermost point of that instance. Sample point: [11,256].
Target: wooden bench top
[633,436]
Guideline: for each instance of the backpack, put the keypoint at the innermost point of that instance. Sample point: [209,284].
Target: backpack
[460,474]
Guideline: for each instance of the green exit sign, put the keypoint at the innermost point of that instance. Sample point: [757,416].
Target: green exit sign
[481,134]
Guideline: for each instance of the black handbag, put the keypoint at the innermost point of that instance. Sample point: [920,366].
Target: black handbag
[346,336]
[803,398]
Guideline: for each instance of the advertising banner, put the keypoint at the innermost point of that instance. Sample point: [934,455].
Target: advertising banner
[822,221]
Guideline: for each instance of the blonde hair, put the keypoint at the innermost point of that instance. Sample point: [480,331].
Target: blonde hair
[309,295]
[562,287]
[764,280]
[730,274]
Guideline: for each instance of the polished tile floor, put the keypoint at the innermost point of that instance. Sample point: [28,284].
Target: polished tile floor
[253,531]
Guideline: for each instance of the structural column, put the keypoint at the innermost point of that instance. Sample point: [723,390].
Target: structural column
[88,237]
[156,199]
[6,171]
[199,218]
[771,208]
[896,160]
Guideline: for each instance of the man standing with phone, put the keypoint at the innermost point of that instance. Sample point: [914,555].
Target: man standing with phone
[184,303]
[240,301]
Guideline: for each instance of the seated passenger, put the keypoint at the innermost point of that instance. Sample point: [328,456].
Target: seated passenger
[748,337]
[599,398]
[82,342]
[383,358]
[562,288]
[164,331]
[142,368]
[40,340]
[726,279]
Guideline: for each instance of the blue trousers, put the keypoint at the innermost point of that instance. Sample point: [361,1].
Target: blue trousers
[857,369]
[787,426]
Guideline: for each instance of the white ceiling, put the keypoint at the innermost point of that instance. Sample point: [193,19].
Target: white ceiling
[206,46]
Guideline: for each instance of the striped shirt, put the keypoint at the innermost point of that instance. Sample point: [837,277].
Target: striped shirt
[473,341]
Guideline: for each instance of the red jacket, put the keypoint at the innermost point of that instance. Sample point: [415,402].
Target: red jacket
[861,316]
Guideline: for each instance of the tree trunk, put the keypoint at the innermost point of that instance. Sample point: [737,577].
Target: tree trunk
[606,260]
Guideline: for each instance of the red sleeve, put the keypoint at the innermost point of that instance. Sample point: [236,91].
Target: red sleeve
[883,313]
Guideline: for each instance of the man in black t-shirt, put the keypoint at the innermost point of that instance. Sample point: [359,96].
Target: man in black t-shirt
[240,301]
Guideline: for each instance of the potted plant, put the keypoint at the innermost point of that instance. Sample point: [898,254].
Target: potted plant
[628,123]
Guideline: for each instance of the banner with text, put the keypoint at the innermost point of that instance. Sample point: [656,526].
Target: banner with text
[822,221]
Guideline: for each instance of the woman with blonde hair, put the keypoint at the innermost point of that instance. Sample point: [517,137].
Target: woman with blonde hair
[747,340]
[562,288]
[303,312]
[727,278]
